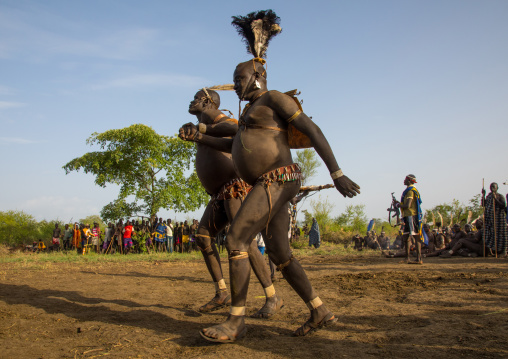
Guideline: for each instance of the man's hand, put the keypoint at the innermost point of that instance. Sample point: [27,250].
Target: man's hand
[188,131]
[346,187]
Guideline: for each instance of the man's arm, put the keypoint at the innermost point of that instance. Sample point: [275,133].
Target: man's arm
[189,133]
[288,110]
[215,123]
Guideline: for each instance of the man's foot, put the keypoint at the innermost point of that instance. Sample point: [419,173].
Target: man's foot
[272,306]
[221,300]
[230,331]
[415,262]
[319,317]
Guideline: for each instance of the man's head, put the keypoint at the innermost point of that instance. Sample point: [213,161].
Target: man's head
[169,220]
[204,99]
[426,227]
[456,227]
[468,228]
[409,180]
[478,224]
[247,76]
[494,187]
[56,225]
[66,226]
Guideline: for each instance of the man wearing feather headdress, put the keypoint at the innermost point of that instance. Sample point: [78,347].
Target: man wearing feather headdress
[261,154]
[217,175]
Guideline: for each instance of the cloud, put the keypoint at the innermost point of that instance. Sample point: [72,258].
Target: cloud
[6,105]
[43,35]
[151,80]
[4,90]
[16,140]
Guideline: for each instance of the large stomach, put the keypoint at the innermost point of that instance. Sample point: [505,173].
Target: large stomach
[257,151]
[214,168]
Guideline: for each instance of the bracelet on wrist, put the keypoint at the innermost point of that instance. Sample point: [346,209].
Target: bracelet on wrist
[337,174]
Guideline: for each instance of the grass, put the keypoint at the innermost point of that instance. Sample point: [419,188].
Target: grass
[300,249]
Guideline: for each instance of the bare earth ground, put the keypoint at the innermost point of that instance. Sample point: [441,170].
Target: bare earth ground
[446,308]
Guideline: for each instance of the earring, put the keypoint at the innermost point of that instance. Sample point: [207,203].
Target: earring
[256,83]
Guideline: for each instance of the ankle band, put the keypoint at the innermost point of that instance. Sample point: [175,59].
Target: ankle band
[269,291]
[238,311]
[314,303]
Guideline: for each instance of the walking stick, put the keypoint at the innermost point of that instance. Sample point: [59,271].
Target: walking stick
[109,246]
[484,219]
[494,209]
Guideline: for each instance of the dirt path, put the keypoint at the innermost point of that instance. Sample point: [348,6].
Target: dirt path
[446,308]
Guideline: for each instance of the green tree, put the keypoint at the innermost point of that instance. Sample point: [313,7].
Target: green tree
[353,218]
[320,209]
[455,211]
[308,162]
[152,170]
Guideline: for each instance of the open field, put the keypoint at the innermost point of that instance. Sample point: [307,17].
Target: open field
[122,307]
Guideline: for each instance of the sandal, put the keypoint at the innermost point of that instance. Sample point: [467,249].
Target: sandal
[214,305]
[309,326]
[266,312]
[224,331]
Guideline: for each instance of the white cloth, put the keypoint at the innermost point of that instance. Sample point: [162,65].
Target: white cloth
[259,239]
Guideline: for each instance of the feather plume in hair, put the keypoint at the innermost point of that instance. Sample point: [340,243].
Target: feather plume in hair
[226,87]
[469,217]
[257,29]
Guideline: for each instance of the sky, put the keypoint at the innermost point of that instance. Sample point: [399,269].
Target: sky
[397,87]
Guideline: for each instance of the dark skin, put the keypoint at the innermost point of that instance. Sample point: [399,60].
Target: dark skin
[214,169]
[408,238]
[255,152]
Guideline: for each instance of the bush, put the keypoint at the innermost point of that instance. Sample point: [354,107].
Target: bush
[18,227]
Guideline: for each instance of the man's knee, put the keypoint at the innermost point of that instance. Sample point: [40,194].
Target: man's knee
[234,244]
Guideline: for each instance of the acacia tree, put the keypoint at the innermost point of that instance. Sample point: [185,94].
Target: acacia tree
[152,170]
[308,163]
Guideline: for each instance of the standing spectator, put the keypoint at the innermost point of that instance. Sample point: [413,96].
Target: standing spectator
[76,237]
[495,221]
[67,237]
[56,237]
[169,236]
[108,237]
[96,236]
[160,235]
[314,235]
[127,237]
[186,236]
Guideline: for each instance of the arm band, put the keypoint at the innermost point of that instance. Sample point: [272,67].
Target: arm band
[337,174]
[221,115]
[296,114]
[202,128]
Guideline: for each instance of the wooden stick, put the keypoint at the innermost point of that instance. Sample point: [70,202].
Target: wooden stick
[484,221]
[494,209]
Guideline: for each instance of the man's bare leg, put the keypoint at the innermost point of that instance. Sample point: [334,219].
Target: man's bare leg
[251,219]
[273,302]
[213,220]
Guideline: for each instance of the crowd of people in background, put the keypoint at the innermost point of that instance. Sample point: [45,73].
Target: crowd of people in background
[135,236]
[444,242]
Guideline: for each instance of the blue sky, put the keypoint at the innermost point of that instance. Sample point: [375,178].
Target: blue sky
[398,87]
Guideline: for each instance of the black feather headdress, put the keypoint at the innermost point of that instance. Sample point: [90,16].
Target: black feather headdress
[257,29]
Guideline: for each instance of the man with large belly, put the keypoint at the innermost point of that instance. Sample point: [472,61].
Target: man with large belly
[217,174]
[262,158]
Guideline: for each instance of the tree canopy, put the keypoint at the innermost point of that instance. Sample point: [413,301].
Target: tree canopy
[153,171]
[308,162]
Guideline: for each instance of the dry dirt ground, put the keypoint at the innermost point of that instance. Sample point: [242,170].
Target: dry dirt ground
[446,308]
